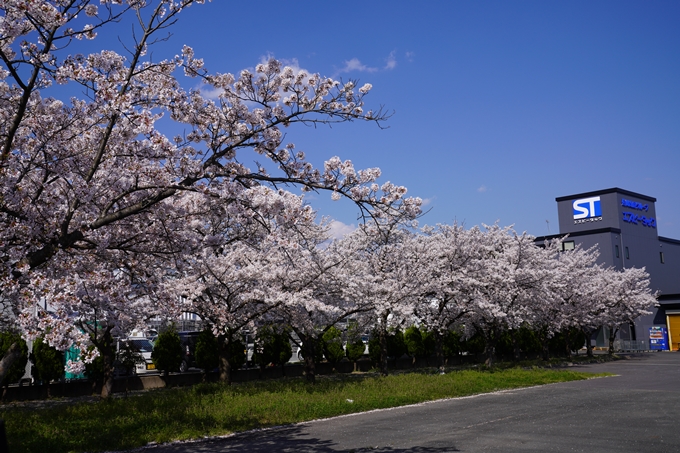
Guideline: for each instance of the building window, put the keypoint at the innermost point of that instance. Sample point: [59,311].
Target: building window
[661,257]
[616,250]
[627,254]
[568,245]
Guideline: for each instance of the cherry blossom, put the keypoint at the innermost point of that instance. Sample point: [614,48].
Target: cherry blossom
[94,200]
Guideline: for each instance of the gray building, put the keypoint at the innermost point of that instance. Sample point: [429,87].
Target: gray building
[623,226]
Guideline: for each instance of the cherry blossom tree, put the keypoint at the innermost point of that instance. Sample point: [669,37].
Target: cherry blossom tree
[629,297]
[569,283]
[453,270]
[511,281]
[321,287]
[89,186]
[243,254]
[389,262]
[582,294]
[589,308]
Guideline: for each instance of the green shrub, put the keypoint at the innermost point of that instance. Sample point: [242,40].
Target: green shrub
[428,342]
[576,339]
[207,352]
[167,354]
[318,350]
[236,352]
[128,357]
[48,362]
[419,343]
[396,346]
[504,346]
[332,345]
[474,344]
[414,342]
[572,338]
[451,343]
[355,346]
[374,348]
[272,345]
[18,368]
[528,341]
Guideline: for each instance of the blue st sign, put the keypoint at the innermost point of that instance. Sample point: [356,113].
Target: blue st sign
[587,210]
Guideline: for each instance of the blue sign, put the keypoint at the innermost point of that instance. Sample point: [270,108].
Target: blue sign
[587,207]
[658,338]
[634,204]
[587,210]
[631,217]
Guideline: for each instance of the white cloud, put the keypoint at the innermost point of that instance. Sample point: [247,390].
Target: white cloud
[391,61]
[356,65]
[338,229]
[409,56]
[209,92]
[482,189]
[427,201]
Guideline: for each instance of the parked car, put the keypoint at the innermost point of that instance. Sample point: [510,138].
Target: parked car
[142,346]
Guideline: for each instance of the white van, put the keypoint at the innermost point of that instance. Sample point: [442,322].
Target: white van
[143,346]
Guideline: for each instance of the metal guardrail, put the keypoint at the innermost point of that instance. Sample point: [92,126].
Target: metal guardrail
[631,345]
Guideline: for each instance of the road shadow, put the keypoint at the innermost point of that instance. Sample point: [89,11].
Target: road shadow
[288,439]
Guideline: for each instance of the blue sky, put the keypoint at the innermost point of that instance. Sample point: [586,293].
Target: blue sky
[499,107]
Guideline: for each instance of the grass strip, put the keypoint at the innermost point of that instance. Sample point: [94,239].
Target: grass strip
[215,409]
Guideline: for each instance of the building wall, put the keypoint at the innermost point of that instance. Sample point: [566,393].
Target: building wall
[610,214]
[666,276]
[621,222]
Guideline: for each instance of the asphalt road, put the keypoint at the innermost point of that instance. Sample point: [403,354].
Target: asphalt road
[636,411]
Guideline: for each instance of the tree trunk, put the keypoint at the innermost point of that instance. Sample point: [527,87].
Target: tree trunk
[225,369]
[545,349]
[309,352]
[107,381]
[439,348]
[383,348]
[612,338]
[516,353]
[107,350]
[567,343]
[11,355]
[589,345]
[545,344]
[224,363]
[490,348]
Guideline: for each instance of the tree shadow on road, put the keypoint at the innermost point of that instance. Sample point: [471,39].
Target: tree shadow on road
[288,439]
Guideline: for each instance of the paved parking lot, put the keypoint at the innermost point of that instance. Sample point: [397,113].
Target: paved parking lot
[636,411]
